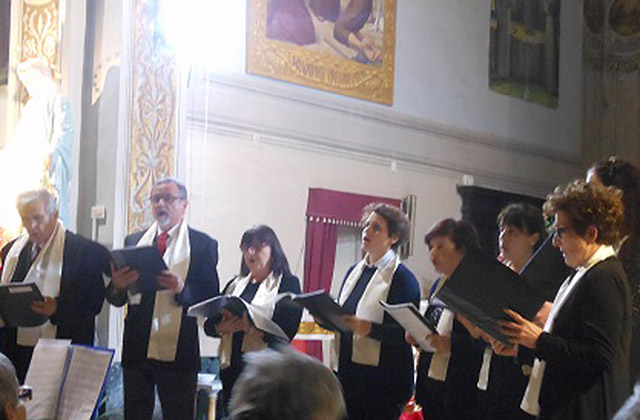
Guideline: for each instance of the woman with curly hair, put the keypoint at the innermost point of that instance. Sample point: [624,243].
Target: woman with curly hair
[625,176]
[582,353]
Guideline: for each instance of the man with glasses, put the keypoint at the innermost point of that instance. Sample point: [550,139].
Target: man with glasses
[68,270]
[160,346]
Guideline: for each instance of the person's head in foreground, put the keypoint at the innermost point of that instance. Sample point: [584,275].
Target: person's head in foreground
[286,385]
[587,216]
[12,407]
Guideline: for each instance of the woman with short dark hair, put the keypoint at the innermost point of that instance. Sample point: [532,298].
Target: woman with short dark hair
[446,380]
[582,353]
[375,364]
[264,273]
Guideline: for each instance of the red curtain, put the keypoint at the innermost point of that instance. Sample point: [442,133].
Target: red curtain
[326,210]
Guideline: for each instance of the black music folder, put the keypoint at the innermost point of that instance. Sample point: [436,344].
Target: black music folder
[481,288]
[15,305]
[147,260]
[546,270]
[321,306]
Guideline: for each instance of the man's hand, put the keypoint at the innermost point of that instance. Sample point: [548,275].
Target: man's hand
[520,331]
[543,314]
[358,325]
[47,307]
[123,277]
[170,281]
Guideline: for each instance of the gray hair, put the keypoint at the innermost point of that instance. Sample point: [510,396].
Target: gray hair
[182,190]
[286,385]
[8,384]
[29,197]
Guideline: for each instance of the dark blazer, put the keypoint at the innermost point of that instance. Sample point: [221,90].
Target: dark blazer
[286,314]
[201,284]
[389,384]
[587,353]
[82,290]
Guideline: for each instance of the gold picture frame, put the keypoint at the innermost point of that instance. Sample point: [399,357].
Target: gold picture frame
[326,64]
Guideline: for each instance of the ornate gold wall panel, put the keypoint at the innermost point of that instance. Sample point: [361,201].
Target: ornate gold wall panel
[40,35]
[153,121]
[311,66]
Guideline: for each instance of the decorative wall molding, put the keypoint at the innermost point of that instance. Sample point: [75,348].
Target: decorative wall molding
[397,160]
[252,112]
[153,114]
[388,117]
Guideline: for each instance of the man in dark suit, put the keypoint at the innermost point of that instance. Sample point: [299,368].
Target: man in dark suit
[68,270]
[160,342]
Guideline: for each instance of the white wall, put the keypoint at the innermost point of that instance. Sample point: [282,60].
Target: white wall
[255,145]
[235,183]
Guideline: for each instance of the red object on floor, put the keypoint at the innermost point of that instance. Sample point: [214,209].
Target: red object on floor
[411,411]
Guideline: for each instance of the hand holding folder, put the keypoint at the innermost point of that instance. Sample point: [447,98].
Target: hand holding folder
[481,288]
[146,260]
[321,306]
[16,301]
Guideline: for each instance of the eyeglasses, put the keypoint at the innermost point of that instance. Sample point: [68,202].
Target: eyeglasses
[559,232]
[25,393]
[167,198]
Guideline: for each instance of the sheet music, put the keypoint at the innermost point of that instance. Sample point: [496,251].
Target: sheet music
[87,371]
[410,319]
[45,376]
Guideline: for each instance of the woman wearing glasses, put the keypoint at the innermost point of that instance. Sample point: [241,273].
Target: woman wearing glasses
[264,273]
[582,353]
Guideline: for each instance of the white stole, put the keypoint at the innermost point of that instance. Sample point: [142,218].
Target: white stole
[440,360]
[365,350]
[265,299]
[167,314]
[531,400]
[45,272]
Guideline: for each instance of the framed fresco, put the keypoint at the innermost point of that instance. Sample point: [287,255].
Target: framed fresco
[341,46]
[524,53]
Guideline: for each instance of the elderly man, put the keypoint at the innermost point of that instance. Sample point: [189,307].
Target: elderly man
[160,342]
[286,386]
[68,270]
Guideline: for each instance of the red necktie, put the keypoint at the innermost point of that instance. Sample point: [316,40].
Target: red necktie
[161,242]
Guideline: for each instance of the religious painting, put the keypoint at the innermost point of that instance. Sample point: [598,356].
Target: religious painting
[525,49]
[5,32]
[624,17]
[341,46]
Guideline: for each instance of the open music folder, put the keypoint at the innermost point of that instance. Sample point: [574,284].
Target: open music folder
[321,306]
[481,288]
[67,380]
[211,308]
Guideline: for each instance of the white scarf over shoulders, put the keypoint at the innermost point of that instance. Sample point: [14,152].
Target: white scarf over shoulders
[45,272]
[264,300]
[366,351]
[530,401]
[167,313]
